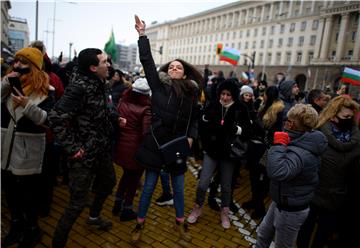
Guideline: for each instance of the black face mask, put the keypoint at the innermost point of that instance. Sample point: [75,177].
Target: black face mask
[344,124]
[22,71]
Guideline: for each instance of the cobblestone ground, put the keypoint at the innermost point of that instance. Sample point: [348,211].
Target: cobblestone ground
[159,229]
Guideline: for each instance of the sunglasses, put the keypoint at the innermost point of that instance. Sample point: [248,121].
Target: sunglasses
[21,60]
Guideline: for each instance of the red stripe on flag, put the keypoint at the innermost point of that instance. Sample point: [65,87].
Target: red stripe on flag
[350,81]
[231,61]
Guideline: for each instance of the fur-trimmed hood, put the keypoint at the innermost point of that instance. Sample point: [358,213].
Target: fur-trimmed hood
[165,78]
[269,118]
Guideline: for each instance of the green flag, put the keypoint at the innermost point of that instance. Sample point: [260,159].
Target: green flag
[110,47]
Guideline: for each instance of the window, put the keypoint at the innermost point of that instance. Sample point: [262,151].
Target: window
[301,41]
[336,37]
[315,24]
[255,32]
[311,56]
[234,35]
[254,45]
[240,35]
[278,58]
[298,57]
[312,40]
[280,42]
[292,27]
[262,44]
[349,55]
[353,36]
[248,33]
[272,30]
[288,57]
[246,45]
[290,41]
[261,58]
[228,35]
[239,45]
[271,41]
[269,58]
[264,31]
[282,28]
[303,26]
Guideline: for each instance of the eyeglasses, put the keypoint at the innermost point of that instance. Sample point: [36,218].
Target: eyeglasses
[21,60]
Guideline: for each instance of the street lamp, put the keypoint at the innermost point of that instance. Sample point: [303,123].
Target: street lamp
[70,45]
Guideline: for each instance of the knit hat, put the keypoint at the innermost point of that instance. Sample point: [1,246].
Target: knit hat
[231,86]
[33,55]
[246,89]
[141,86]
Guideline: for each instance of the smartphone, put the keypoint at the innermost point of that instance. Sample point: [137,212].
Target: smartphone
[15,83]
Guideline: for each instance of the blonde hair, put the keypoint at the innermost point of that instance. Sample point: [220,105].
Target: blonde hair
[335,106]
[305,116]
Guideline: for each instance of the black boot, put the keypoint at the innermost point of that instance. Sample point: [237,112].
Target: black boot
[15,234]
[233,207]
[32,236]
[248,205]
[213,204]
[127,214]
[117,207]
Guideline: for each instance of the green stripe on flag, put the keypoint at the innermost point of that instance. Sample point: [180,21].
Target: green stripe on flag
[230,55]
[351,76]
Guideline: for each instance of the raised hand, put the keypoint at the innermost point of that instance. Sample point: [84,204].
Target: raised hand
[140,26]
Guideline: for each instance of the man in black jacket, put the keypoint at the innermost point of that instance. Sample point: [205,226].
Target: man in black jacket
[81,121]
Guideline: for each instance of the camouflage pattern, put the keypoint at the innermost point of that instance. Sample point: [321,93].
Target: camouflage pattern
[82,119]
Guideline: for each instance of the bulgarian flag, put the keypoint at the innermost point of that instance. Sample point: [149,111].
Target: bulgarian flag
[230,55]
[351,76]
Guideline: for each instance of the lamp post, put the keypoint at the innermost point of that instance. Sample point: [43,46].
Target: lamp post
[70,45]
[36,19]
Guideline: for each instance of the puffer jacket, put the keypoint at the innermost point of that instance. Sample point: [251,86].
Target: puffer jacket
[82,119]
[336,164]
[293,169]
[170,114]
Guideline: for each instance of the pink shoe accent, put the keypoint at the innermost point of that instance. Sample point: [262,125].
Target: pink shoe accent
[194,215]
[225,221]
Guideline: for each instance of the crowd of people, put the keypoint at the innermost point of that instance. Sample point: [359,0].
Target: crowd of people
[78,120]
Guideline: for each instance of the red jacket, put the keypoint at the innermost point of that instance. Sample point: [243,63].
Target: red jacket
[135,108]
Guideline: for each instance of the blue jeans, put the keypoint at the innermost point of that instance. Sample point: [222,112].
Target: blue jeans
[151,178]
[165,182]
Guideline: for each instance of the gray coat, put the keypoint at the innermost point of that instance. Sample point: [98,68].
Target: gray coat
[293,169]
[24,155]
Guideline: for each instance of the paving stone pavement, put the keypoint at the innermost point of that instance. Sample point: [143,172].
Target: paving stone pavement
[159,229]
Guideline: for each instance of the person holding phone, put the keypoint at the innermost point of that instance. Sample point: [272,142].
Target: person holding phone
[26,98]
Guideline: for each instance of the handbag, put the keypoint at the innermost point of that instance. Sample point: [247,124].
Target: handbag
[238,149]
[176,150]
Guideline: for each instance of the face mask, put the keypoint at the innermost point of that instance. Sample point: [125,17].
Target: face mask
[344,124]
[22,71]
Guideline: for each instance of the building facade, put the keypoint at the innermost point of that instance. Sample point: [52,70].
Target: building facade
[18,33]
[295,37]
[5,50]
[126,59]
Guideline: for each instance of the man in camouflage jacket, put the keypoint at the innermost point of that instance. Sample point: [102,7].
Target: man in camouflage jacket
[81,121]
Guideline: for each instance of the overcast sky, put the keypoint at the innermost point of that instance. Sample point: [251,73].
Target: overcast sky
[88,23]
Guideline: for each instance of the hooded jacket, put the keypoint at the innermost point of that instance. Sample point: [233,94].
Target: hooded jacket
[285,94]
[293,169]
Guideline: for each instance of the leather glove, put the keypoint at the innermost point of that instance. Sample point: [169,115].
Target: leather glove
[281,138]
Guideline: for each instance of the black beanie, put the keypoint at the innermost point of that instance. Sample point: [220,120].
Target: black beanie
[230,85]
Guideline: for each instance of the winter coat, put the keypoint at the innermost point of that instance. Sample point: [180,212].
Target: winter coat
[82,119]
[170,114]
[117,90]
[216,138]
[336,164]
[23,136]
[285,94]
[293,169]
[135,108]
